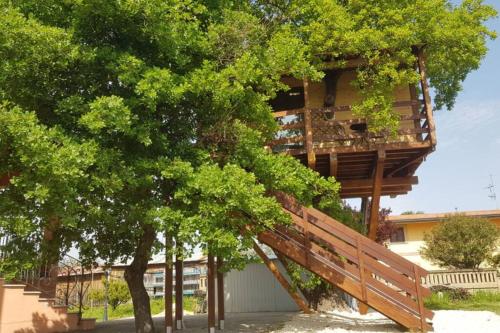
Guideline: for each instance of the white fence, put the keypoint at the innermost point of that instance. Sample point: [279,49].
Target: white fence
[485,279]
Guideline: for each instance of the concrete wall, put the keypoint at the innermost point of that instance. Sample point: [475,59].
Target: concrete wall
[255,289]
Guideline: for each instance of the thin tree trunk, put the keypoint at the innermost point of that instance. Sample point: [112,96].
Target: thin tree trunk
[134,275]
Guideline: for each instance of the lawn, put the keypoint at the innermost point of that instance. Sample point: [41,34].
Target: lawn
[126,310]
[479,301]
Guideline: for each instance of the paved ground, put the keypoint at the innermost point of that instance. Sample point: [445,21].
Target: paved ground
[263,322]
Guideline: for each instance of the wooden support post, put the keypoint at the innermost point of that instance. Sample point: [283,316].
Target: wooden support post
[420,300]
[377,190]
[211,293]
[168,288]
[281,279]
[220,293]
[427,96]
[311,156]
[365,210]
[179,287]
[333,165]
[374,207]
[415,110]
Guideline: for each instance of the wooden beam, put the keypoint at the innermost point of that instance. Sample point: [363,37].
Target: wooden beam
[179,287]
[386,182]
[392,194]
[211,293]
[311,157]
[220,293]
[281,279]
[377,190]
[405,164]
[168,288]
[334,165]
[427,96]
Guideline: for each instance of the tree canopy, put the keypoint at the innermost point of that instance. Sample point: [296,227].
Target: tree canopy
[122,120]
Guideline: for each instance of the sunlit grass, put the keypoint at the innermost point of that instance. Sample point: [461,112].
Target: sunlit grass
[127,310]
[479,301]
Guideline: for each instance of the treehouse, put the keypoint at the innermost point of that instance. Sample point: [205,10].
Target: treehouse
[317,126]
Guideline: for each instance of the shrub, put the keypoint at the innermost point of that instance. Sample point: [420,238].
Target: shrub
[461,242]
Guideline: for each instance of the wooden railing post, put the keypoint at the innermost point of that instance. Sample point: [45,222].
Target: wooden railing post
[427,96]
[361,265]
[307,239]
[311,156]
[420,299]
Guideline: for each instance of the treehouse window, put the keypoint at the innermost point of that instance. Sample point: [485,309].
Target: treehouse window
[398,236]
[289,100]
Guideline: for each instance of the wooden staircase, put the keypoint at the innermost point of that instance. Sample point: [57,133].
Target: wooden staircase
[352,262]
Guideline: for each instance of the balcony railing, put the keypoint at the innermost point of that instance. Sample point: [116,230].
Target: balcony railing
[309,130]
[328,132]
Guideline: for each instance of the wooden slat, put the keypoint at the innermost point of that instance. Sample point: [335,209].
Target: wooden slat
[397,297]
[386,182]
[293,139]
[284,113]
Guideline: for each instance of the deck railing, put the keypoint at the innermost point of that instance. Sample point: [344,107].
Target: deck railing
[330,132]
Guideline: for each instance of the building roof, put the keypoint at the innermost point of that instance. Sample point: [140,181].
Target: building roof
[415,218]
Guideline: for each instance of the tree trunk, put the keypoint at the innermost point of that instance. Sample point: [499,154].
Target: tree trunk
[134,275]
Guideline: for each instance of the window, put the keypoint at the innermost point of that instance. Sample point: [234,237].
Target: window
[288,100]
[398,235]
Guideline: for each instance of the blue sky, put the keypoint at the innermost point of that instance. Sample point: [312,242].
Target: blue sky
[468,150]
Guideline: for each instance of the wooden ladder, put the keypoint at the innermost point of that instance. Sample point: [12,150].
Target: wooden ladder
[350,261]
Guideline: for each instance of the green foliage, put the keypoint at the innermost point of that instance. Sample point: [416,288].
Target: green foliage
[118,293]
[494,260]
[461,242]
[122,311]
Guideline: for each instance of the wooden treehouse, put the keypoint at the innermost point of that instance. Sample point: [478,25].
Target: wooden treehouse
[318,127]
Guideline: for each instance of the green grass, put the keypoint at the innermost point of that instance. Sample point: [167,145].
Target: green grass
[479,301]
[126,310]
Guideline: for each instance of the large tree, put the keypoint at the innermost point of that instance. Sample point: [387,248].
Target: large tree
[122,121]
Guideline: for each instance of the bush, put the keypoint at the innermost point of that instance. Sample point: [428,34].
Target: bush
[455,294]
[118,293]
[461,242]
